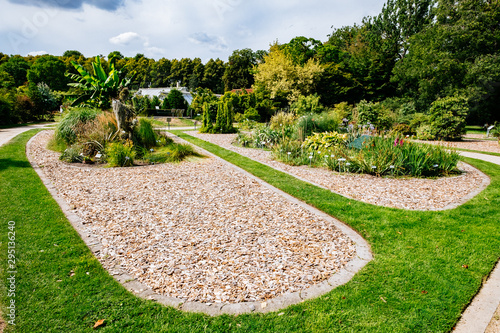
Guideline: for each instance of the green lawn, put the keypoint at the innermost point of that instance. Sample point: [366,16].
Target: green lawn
[416,282]
[475,130]
[183,122]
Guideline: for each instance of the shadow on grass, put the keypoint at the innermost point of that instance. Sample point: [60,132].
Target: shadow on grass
[6,163]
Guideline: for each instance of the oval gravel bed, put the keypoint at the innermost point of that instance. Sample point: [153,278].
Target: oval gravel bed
[198,230]
[405,193]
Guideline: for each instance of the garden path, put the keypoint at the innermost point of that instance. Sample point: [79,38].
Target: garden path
[7,134]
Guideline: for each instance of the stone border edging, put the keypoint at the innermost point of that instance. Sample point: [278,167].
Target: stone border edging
[363,256]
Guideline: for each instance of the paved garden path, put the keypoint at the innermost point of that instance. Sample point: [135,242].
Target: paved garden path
[7,134]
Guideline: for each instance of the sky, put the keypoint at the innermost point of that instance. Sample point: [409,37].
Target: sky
[170,29]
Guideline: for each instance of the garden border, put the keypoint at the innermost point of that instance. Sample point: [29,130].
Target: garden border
[363,256]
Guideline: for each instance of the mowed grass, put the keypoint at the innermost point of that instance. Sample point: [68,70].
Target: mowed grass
[417,281]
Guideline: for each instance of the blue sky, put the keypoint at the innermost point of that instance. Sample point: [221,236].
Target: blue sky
[169,28]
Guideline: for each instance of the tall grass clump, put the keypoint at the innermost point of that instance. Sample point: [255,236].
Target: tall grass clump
[315,123]
[144,133]
[72,124]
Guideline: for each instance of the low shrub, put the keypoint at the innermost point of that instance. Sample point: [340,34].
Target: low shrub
[324,141]
[402,130]
[71,155]
[425,132]
[315,123]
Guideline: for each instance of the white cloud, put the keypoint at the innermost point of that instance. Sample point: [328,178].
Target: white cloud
[126,38]
[36,53]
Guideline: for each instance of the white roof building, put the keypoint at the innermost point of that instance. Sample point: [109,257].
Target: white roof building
[161,93]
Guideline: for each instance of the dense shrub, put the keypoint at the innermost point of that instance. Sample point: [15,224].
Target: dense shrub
[374,113]
[7,115]
[307,104]
[448,117]
[252,114]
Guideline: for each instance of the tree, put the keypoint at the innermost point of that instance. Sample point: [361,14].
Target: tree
[196,77]
[278,75]
[17,67]
[50,70]
[212,77]
[398,21]
[72,54]
[176,100]
[162,71]
[238,74]
[6,80]
[301,49]
[115,54]
[463,39]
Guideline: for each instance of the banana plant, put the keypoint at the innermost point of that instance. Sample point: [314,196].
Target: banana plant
[97,88]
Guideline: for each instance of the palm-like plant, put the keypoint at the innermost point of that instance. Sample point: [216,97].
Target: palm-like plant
[100,87]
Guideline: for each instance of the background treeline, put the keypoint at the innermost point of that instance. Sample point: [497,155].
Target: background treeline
[413,54]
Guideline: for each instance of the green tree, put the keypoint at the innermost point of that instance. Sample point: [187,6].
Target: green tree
[162,73]
[176,100]
[6,80]
[115,54]
[446,57]
[72,54]
[278,75]
[301,49]
[50,70]
[17,67]
[212,76]
[238,74]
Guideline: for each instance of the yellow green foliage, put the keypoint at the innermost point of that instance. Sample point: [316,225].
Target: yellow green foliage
[324,141]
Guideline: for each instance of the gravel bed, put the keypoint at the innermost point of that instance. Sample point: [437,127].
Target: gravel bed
[198,230]
[406,193]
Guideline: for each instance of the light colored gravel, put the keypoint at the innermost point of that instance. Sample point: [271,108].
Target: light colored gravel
[406,193]
[490,146]
[198,230]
